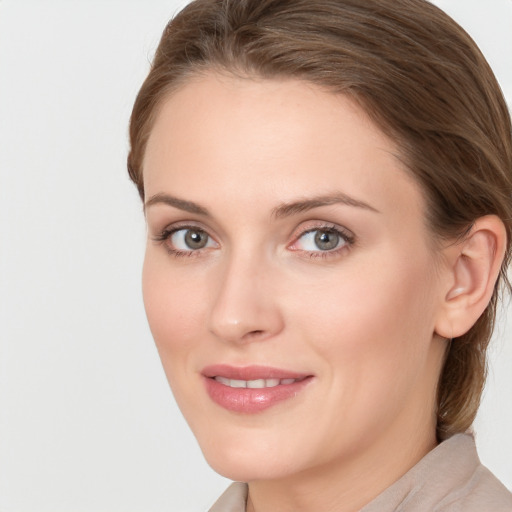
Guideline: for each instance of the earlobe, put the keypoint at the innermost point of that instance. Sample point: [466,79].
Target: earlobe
[473,264]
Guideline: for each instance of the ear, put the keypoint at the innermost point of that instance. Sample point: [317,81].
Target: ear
[472,267]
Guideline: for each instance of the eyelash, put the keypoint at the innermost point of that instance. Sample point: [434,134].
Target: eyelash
[162,237]
[347,237]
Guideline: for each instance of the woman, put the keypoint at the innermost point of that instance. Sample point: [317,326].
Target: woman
[328,191]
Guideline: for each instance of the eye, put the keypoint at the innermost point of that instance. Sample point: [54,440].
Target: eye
[322,240]
[189,239]
[180,241]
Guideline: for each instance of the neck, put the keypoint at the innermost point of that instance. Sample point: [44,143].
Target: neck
[348,484]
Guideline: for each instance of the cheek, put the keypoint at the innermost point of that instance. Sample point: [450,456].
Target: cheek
[372,331]
[175,311]
[173,306]
[374,320]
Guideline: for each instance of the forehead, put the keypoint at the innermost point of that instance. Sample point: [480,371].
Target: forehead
[270,140]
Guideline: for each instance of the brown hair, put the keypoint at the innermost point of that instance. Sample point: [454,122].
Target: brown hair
[418,75]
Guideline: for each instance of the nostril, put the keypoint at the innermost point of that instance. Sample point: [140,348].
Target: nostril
[255,334]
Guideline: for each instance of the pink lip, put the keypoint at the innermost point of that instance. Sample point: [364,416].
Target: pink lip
[250,372]
[251,400]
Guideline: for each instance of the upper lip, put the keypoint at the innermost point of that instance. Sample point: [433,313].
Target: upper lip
[252,372]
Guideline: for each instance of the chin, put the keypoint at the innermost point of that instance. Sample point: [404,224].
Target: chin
[247,469]
[246,461]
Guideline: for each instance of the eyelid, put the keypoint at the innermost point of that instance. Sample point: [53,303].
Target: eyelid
[314,225]
[172,227]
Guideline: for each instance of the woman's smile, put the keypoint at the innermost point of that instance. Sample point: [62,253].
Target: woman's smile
[252,389]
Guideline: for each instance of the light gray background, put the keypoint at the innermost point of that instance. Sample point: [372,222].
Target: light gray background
[87,422]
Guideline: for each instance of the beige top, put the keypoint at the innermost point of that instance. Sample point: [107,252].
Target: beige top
[448,479]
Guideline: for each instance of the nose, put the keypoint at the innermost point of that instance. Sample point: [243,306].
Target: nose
[245,307]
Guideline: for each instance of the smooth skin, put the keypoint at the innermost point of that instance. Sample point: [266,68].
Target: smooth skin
[283,231]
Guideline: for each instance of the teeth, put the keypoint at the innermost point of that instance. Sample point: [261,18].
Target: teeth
[254,384]
[260,383]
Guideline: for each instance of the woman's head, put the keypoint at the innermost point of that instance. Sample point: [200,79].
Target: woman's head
[412,71]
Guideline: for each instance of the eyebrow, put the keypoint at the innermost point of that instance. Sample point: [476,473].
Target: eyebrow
[181,204]
[281,211]
[288,209]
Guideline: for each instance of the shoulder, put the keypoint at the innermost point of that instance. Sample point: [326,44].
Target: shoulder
[483,491]
[450,478]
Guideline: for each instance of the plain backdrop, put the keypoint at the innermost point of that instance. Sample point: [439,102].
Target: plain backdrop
[87,422]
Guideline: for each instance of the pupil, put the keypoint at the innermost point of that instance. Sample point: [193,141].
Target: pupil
[326,240]
[196,239]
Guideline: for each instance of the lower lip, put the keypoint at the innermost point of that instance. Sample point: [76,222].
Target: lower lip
[252,400]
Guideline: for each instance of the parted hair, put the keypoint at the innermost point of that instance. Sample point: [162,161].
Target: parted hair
[417,74]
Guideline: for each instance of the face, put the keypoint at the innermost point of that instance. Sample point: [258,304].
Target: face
[290,281]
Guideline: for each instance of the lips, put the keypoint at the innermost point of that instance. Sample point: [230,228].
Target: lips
[252,389]
[254,384]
